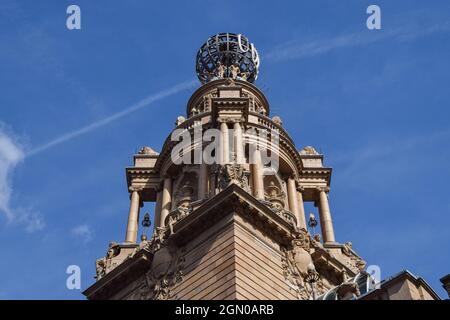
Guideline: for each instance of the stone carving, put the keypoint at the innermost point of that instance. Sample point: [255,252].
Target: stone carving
[354,261]
[233,173]
[293,276]
[299,270]
[243,75]
[147,150]
[347,249]
[166,271]
[158,239]
[180,120]
[166,268]
[229,82]
[207,102]
[317,237]
[277,120]
[100,268]
[185,193]
[220,71]
[302,258]
[260,109]
[106,264]
[186,189]
[309,151]
[177,215]
[303,240]
[234,69]
[360,265]
[275,196]
[347,291]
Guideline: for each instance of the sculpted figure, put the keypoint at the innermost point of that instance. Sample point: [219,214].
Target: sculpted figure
[234,71]
[220,70]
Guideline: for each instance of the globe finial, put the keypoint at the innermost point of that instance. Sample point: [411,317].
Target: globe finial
[227,55]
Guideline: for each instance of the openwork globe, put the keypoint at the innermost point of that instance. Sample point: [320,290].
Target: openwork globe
[227,55]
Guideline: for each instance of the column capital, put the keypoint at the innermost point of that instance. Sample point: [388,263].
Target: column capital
[237,120]
[287,176]
[324,189]
[135,188]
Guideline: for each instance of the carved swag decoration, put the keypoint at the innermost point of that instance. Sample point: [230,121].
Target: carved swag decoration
[297,265]
[166,268]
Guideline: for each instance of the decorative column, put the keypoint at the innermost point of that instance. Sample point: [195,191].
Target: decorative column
[238,145]
[166,200]
[257,175]
[301,209]
[292,198]
[158,207]
[224,148]
[133,217]
[326,223]
[203,181]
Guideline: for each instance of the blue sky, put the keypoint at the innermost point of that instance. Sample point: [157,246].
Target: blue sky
[76,105]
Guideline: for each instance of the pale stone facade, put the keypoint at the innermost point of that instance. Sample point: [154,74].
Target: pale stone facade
[228,230]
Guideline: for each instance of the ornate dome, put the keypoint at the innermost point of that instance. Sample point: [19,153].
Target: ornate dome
[227,55]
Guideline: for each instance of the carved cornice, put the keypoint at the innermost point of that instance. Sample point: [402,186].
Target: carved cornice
[299,187]
[135,188]
[324,189]
[315,172]
[126,272]
[233,200]
[230,101]
[213,85]
[326,262]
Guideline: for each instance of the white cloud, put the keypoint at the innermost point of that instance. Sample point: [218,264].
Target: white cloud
[84,232]
[11,154]
[299,49]
[33,221]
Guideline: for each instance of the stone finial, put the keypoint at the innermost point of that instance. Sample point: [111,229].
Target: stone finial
[180,120]
[148,151]
[277,120]
[308,151]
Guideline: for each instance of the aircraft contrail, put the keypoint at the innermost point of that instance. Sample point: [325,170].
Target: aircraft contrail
[100,123]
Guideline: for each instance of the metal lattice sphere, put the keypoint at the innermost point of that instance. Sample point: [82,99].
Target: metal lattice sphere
[227,55]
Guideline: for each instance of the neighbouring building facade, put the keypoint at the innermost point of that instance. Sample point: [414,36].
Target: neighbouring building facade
[235,227]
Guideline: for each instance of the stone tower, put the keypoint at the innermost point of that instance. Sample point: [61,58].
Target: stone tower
[229,186]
